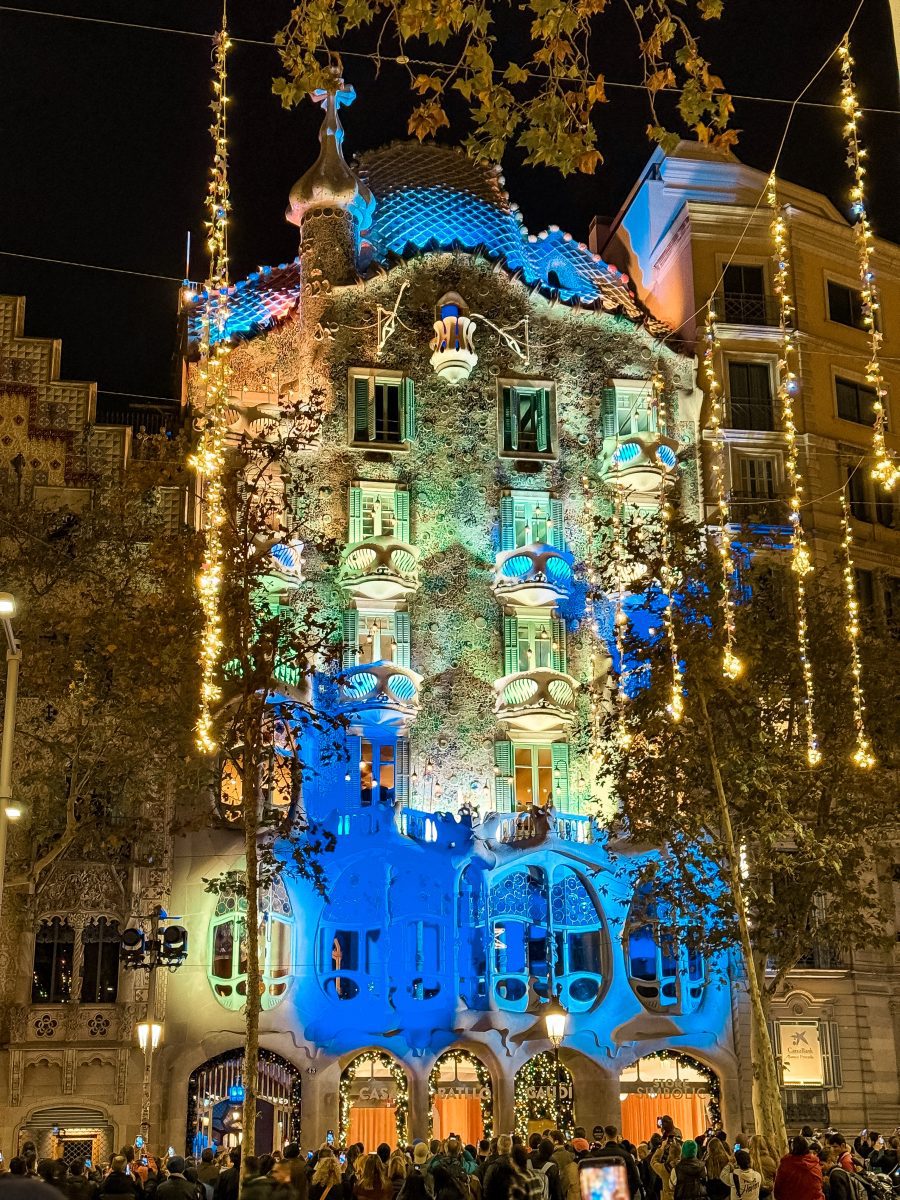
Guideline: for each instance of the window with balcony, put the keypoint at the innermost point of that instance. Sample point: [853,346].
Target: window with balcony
[533,642]
[757,500]
[526,415]
[378,511]
[100,981]
[855,401]
[744,300]
[383,771]
[228,946]
[371,637]
[666,971]
[750,401]
[54,947]
[383,410]
[530,518]
[531,775]
[629,407]
[845,305]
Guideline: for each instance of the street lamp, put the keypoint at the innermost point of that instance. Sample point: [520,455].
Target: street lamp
[148,1035]
[556,1019]
[9,811]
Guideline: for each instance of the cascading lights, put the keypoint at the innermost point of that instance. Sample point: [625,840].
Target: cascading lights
[862,755]
[885,470]
[675,707]
[788,383]
[209,459]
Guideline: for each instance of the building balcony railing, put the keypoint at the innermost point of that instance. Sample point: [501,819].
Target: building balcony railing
[379,694]
[746,308]
[750,509]
[754,413]
[533,576]
[380,568]
[538,701]
[642,464]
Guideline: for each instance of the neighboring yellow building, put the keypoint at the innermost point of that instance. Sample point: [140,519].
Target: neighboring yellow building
[697,221]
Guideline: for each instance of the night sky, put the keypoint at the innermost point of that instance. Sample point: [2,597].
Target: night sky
[105,146]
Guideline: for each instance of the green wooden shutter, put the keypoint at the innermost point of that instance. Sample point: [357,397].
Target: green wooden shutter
[354,532]
[507,523]
[557,536]
[408,415]
[510,419]
[361,408]
[401,516]
[402,637]
[559,752]
[558,648]
[542,418]
[510,645]
[401,770]
[503,789]
[351,637]
[608,412]
[370,408]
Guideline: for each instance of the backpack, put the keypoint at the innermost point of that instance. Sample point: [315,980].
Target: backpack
[540,1188]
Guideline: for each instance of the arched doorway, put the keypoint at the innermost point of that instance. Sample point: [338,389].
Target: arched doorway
[461,1097]
[374,1100]
[668,1084]
[73,1132]
[215,1108]
[544,1096]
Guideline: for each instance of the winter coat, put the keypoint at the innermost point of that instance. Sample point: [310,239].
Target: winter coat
[744,1185]
[690,1175]
[176,1187]
[799,1178]
[883,1160]
[662,1164]
[78,1187]
[227,1184]
[117,1183]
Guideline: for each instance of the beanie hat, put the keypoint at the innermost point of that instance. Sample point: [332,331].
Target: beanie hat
[689,1149]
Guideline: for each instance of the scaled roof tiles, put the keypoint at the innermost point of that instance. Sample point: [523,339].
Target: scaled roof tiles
[432,197]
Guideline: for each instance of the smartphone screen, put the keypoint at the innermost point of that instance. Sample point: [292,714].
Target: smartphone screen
[603,1181]
[88,1163]
[343,1158]
[329,1137]
[138,1141]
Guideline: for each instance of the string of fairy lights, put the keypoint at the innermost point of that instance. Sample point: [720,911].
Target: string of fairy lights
[731,664]
[675,707]
[209,459]
[788,382]
[623,735]
[885,470]
[862,755]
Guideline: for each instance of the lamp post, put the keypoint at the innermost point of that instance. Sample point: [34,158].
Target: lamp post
[9,811]
[556,1019]
[165,947]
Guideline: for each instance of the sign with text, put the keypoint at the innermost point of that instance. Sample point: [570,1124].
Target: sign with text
[800,1050]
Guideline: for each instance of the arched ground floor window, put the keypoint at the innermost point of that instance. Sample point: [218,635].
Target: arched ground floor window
[544,1096]
[215,1102]
[461,1097]
[374,1100]
[668,1084]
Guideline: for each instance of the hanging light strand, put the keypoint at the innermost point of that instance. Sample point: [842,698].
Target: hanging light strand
[788,384]
[623,734]
[599,652]
[731,664]
[885,470]
[675,707]
[862,755]
[214,372]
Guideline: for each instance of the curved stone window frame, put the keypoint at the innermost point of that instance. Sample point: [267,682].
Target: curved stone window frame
[101,939]
[226,960]
[672,976]
[53,975]
[537,934]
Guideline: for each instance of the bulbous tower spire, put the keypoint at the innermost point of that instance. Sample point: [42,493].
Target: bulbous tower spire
[330,183]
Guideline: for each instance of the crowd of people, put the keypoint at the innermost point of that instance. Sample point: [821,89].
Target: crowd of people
[545,1166]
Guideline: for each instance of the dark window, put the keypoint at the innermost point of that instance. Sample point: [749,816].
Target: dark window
[844,305]
[855,401]
[744,299]
[750,395]
[100,983]
[891,595]
[383,410]
[858,494]
[377,773]
[53,952]
[884,507]
[865,589]
[526,420]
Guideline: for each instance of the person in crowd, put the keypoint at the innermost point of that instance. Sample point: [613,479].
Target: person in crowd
[543,1162]
[799,1174]
[418,1184]
[229,1180]
[118,1182]
[742,1179]
[177,1186]
[208,1170]
[763,1158]
[483,1156]
[53,1171]
[454,1162]
[886,1156]
[384,1152]
[690,1174]
[327,1179]
[77,1186]
[839,1153]
[717,1161]
[864,1143]
[564,1157]
[503,1159]
[298,1180]
[532,1184]
[611,1147]
[397,1170]
[372,1182]
[446,1186]
[663,1162]
[18,1168]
